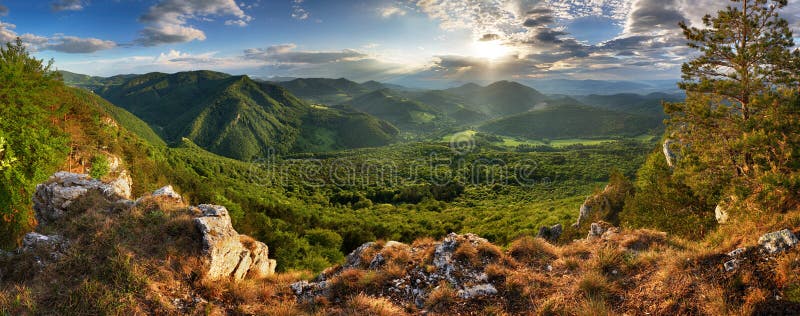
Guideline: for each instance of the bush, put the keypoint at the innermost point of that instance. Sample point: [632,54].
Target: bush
[100,167]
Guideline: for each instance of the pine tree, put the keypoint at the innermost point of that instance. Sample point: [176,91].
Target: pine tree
[735,128]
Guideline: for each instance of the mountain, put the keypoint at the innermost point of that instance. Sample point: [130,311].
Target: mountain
[606,87]
[240,118]
[571,121]
[649,105]
[455,107]
[499,99]
[91,83]
[405,113]
[328,91]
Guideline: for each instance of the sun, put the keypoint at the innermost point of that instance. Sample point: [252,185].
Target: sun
[490,50]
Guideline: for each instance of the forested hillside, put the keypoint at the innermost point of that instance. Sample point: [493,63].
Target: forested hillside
[237,117]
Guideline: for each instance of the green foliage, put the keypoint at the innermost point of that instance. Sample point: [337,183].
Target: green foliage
[732,129]
[404,113]
[32,145]
[663,202]
[100,167]
[572,121]
[237,117]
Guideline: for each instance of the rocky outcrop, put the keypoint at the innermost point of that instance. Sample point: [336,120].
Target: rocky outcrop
[430,265]
[777,242]
[52,198]
[229,254]
[601,230]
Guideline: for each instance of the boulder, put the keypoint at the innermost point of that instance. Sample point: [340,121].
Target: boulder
[601,230]
[228,254]
[46,248]
[777,242]
[52,198]
[551,233]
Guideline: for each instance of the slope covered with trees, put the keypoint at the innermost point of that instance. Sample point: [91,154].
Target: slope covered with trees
[241,118]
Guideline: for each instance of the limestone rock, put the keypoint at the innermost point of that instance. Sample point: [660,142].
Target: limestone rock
[46,249]
[776,242]
[52,198]
[168,192]
[480,290]
[229,254]
[420,276]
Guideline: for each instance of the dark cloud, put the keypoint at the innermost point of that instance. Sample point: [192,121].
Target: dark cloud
[489,37]
[652,15]
[76,45]
[3,10]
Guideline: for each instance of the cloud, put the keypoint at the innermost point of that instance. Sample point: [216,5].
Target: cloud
[298,11]
[391,11]
[68,5]
[285,54]
[167,22]
[3,10]
[489,37]
[76,45]
[59,42]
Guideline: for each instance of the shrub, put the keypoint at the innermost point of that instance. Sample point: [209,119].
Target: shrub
[100,167]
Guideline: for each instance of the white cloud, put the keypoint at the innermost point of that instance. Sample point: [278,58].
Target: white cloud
[391,11]
[299,12]
[168,21]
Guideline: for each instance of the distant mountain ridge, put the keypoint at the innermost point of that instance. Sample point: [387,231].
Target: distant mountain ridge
[240,118]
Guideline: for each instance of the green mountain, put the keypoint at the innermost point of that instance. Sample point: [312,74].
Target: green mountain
[92,83]
[455,107]
[499,99]
[328,91]
[404,113]
[240,118]
[567,120]
[649,104]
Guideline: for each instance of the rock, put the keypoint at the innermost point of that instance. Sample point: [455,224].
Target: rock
[122,185]
[776,242]
[595,231]
[481,290]
[736,252]
[721,214]
[583,213]
[731,265]
[668,154]
[229,254]
[46,249]
[551,233]
[52,198]
[433,264]
[167,192]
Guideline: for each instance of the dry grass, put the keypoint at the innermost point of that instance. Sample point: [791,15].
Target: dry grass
[441,298]
[363,304]
[532,251]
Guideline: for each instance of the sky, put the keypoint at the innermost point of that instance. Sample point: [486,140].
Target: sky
[403,41]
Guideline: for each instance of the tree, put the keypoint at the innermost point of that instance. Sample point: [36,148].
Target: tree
[734,130]
[28,90]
